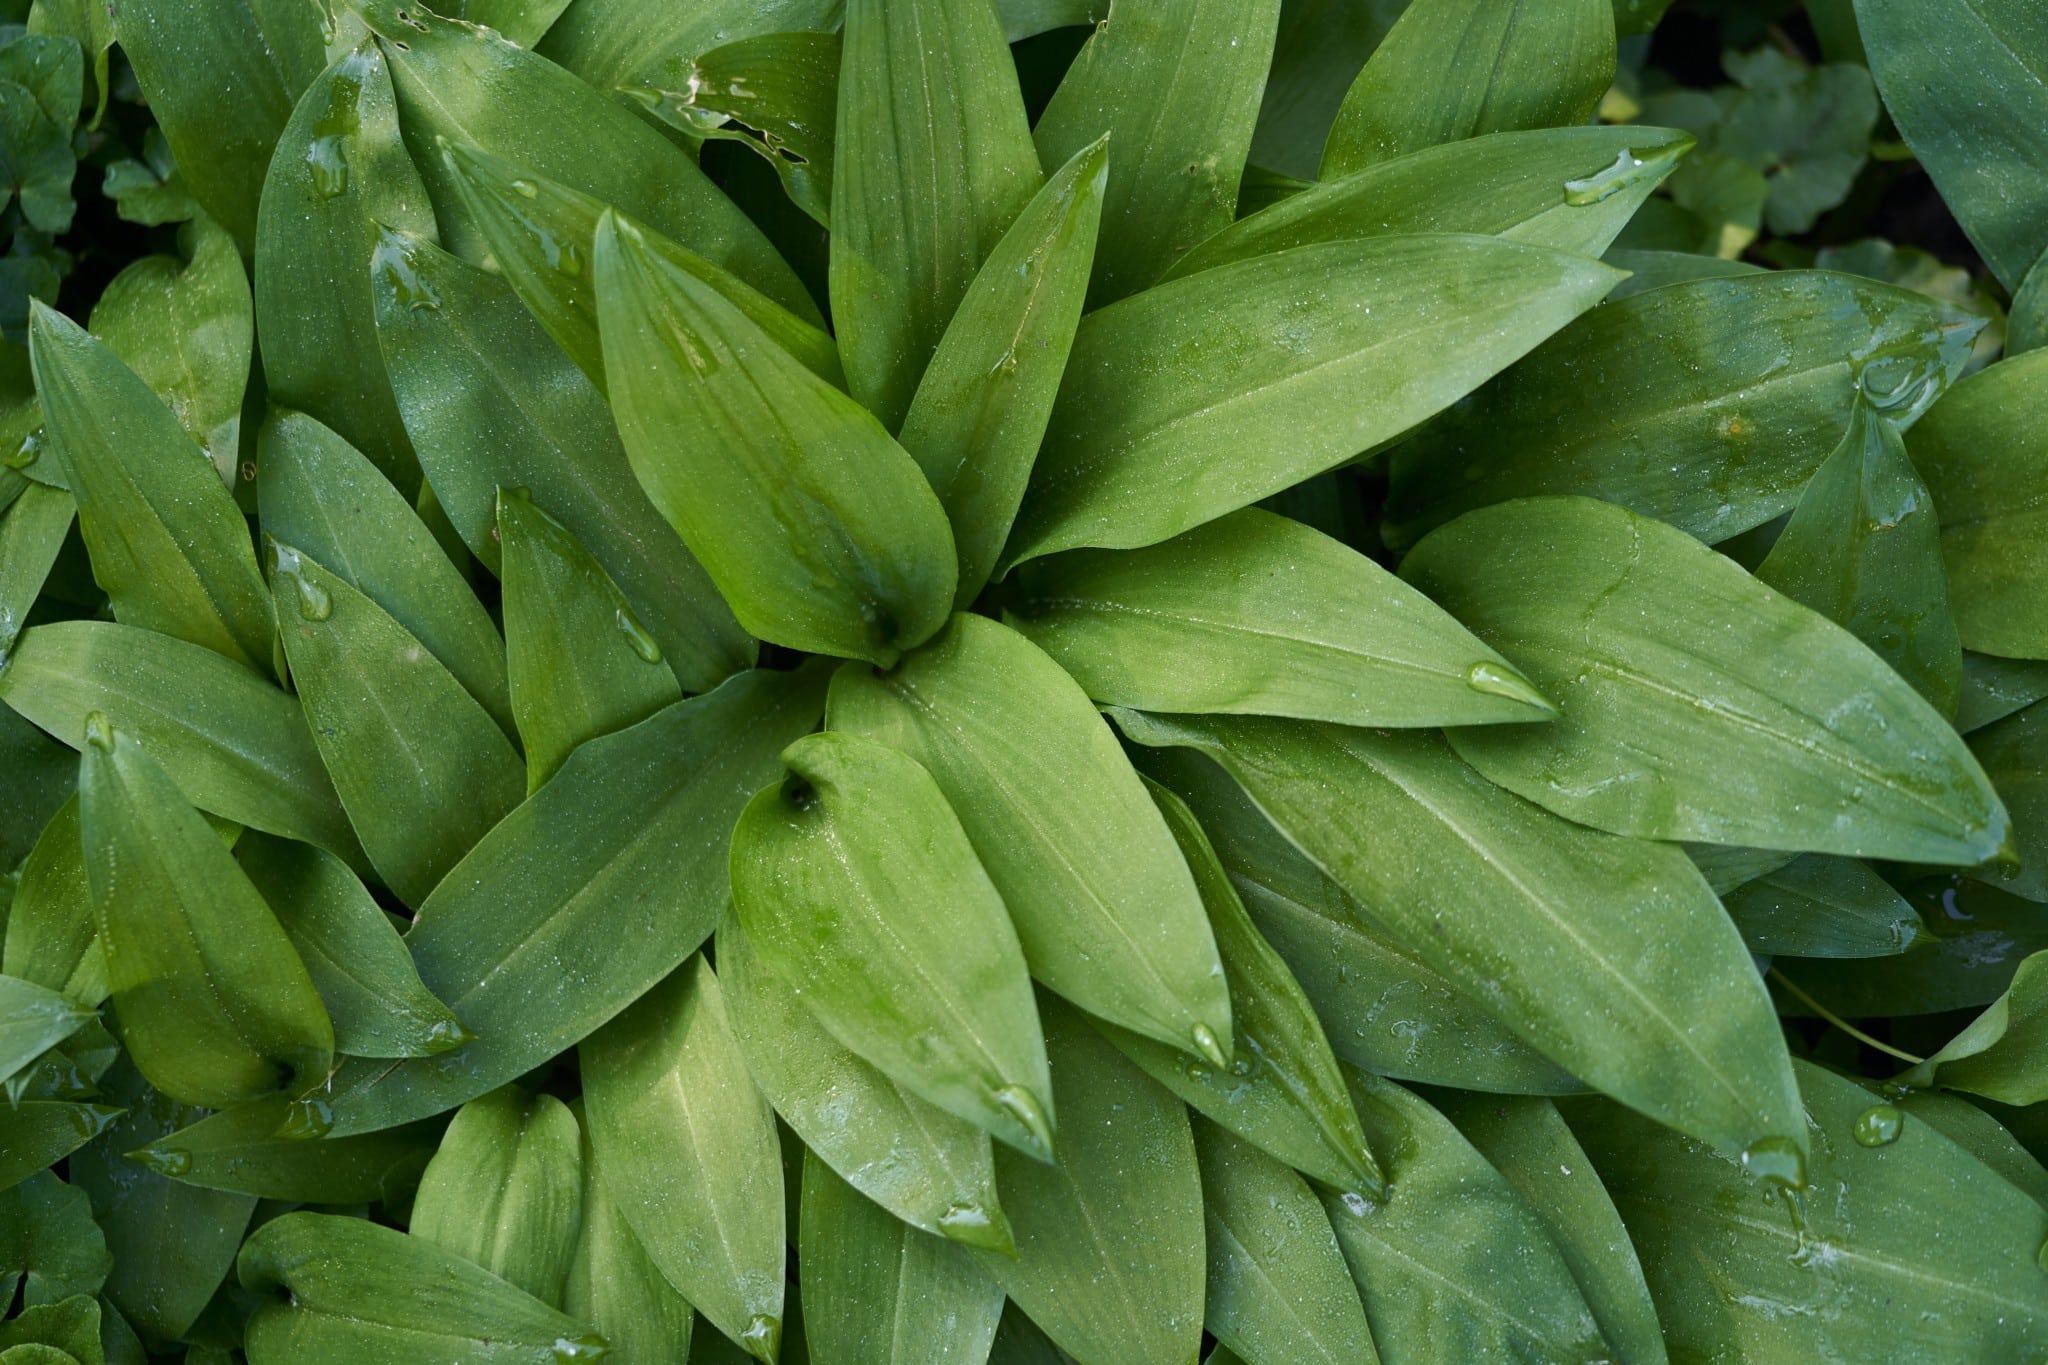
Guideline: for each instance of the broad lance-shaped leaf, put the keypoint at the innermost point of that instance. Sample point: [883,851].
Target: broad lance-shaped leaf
[932,160]
[2001,1053]
[1258,613]
[464,85]
[1994,688]
[1316,56]
[357,961]
[979,414]
[1910,1249]
[1527,1141]
[340,176]
[1384,1009]
[1282,1093]
[241,1151]
[853,877]
[1109,1235]
[877,1289]
[167,542]
[929,1168]
[587,895]
[35,1134]
[1823,906]
[1706,404]
[616,1288]
[2014,753]
[32,532]
[318,494]
[1453,1264]
[1979,1134]
[492,403]
[33,1019]
[540,234]
[1103,902]
[422,769]
[1170,398]
[1455,69]
[581,663]
[505,1190]
[1982,453]
[816,526]
[1863,549]
[1683,682]
[687,1147]
[1609,955]
[1278,1286]
[1178,153]
[52,932]
[1573,189]
[346,1291]
[650,42]
[235,745]
[213,1003]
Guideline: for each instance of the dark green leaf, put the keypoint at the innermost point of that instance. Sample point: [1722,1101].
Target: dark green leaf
[2000,1055]
[49,1247]
[70,1326]
[1976,938]
[37,1133]
[1823,906]
[505,1190]
[618,43]
[2014,753]
[239,1150]
[1994,688]
[52,936]
[1653,269]
[33,1019]
[1317,54]
[41,84]
[615,1288]
[32,531]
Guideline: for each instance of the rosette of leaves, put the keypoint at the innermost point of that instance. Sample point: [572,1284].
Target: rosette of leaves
[1135,757]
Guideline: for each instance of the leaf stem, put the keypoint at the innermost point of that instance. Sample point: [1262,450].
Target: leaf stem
[1831,1017]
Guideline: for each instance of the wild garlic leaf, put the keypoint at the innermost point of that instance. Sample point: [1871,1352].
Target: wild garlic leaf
[616,1288]
[35,1134]
[1317,54]
[1167,392]
[1994,688]
[258,1149]
[1977,936]
[505,1190]
[627,43]
[33,1019]
[1818,905]
[52,930]
[1981,1135]
[2014,753]
[1999,1054]
[687,1147]
[1697,703]
[1454,69]
[853,876]
[32,532]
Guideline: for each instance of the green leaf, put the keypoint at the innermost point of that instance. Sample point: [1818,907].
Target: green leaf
[2027,324]
[1455,69]
[615,1288]
[687,1147]
[1999,1055]
[38,1133]
[41,85]
[1994,688]
[522,21]
[50,1249]
[879,1291]
[52,937]
[853,876]
[1256,613]
[581,663]
[340,176]
[933,161]
[1863,549]
[344,1291]
[356,959]
[1384,1009]
[1278,1287]
[928,1167]
[318,494]
[150,191]
[587,895]
[492,403]
[1653,269]
[1609,955]
[1976,937]
[1697,703]
[1965,82]
[618,43]
[1707,404]
[979,414]
[239,1150]
[1569,188]
[505,1190]
[1528,1143]
[1109,1244]
[422,769]
[1176,87]
[1163,416]
[70,1327]
[32,531]
[1282,1093]
[1822,906]
[1910,1249]
[2014,753]
[33,1019]
[1980,450]
[816,526]
[37,776]
[1979,1134]
[167,542]
[1104,904]
[1317,54]
[234,744]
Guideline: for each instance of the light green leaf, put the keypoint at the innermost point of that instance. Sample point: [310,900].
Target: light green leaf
[1279,1292]
[70,1328]
[505,1190]
[687,1147]
[32,531]
[492,403]
[38,1133]
[1822,906]
[1175,84]
[979,414]
[1104,905]
[617,43]
[239,1150]
[878,1291]
[167,542]
[1707,404]
[1168,393]
[1999,1054]
[1994,688]
[816,526]
[52,936]
[929,1168]
[34,1019]
[49,1248]
[1697,703]
[1257,613]
[2014,753]
[1609,955]
[615,1288]
[345,1291]
[1109,1248]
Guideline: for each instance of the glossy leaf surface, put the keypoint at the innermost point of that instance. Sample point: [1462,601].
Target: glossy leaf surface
[240,1151]
[1822,906]
[505,1190]
[615,1287]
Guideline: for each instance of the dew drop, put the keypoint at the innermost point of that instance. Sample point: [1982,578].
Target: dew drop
[1209,1047]
[1879,1125]
[1605,184]
[1023,1106]
[329,165]
[636,635]
[1777,1161]
[99,732]
[592,1347]
[972,1225]
[762,1339]
[30,450]
[170,1161]
[307,1119]
[315,602]
[526,189]
[446,1035]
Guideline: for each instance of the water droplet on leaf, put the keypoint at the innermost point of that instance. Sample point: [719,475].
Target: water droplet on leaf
[1880,1124]
[1776,1160]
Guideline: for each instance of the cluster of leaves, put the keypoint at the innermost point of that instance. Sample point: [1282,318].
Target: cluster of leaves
[1025,680]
